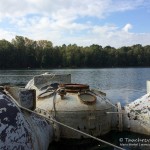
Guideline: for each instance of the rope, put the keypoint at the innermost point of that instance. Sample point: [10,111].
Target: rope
[106,100]
[55,92]
[64,125]
[116,113]
[11,75]
[17,75]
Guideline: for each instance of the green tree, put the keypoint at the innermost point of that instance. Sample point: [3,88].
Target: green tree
[6,54]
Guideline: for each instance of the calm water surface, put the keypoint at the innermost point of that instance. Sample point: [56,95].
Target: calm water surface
[124,85]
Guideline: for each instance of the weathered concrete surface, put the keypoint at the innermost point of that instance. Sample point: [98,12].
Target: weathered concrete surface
[20,129]
[137,115]
[89,118]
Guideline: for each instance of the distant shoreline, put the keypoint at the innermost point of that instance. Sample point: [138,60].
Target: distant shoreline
[72,68]
[24,53]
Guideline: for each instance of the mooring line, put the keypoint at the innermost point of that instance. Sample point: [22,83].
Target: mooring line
[16,75]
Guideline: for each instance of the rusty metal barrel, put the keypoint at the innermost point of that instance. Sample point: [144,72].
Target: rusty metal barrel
[73,88]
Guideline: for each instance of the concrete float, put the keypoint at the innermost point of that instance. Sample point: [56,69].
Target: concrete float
[75,105]
[20,127]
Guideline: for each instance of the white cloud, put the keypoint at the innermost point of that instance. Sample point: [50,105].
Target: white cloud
[123,5]
[4,34]
[127,27]
[65,8]
[57,21]
[14,8]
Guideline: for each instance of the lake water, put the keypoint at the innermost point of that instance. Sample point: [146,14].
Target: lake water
[120,84]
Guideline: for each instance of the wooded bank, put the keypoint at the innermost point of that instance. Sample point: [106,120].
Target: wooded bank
[25,53]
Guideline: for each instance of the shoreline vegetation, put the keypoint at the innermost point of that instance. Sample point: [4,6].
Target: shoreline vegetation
[24,53]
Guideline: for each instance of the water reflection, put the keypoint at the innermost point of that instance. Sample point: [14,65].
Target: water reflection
[128,139]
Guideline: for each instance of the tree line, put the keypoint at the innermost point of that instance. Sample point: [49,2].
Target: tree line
[23,53]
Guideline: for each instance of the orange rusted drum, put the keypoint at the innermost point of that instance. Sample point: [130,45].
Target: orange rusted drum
[73,88]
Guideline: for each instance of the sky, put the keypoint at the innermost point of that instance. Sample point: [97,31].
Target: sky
[83,22]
